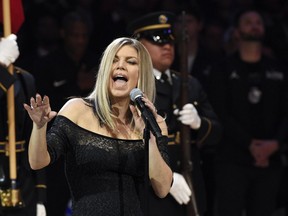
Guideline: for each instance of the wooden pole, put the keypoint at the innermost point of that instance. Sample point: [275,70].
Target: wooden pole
[11,111]
[187,166]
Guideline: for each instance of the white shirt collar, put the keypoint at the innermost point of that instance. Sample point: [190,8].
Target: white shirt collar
[157,74]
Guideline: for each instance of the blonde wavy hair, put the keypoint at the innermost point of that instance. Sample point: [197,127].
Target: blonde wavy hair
[100,94]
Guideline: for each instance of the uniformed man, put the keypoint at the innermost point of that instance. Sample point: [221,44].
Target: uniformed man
[155,32]
[30,184]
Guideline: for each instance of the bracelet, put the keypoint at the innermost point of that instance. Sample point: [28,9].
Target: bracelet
[41,186]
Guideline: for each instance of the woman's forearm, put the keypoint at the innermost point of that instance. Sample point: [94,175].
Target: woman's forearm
[37,150]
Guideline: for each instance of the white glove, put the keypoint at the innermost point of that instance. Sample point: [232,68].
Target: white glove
[40,210]
[9,50]
[180,189]
[189,116]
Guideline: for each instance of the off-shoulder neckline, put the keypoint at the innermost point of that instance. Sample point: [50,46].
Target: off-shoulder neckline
[92,132]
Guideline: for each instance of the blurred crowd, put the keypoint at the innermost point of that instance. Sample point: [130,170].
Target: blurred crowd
[108,20]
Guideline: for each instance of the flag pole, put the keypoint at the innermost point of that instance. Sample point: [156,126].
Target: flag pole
[11,112]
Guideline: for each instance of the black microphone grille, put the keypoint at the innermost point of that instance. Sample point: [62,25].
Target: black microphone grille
[135,93]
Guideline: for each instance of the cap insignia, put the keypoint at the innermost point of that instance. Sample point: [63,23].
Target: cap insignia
[163,19]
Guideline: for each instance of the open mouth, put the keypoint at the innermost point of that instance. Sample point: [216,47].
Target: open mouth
[120,78]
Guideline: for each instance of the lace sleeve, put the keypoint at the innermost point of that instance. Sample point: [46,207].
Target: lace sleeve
[57,138]
[162,143]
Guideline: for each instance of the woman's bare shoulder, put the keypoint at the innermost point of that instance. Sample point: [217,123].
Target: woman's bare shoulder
[74,107]
[81,113]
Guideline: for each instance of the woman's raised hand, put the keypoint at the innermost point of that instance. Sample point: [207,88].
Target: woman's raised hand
[40,110]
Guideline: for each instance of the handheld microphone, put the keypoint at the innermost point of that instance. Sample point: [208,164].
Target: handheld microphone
[147,115]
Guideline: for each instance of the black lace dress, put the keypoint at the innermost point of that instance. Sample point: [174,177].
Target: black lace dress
[103,173]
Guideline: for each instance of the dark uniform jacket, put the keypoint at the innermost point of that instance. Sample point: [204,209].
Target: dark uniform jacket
[31,184]
[207,135]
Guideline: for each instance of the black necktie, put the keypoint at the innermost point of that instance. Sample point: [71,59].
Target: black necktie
[167,85]
[165,82]
[164,77]
[166,99]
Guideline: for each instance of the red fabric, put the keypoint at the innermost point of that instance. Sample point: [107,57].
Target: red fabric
[17,14]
